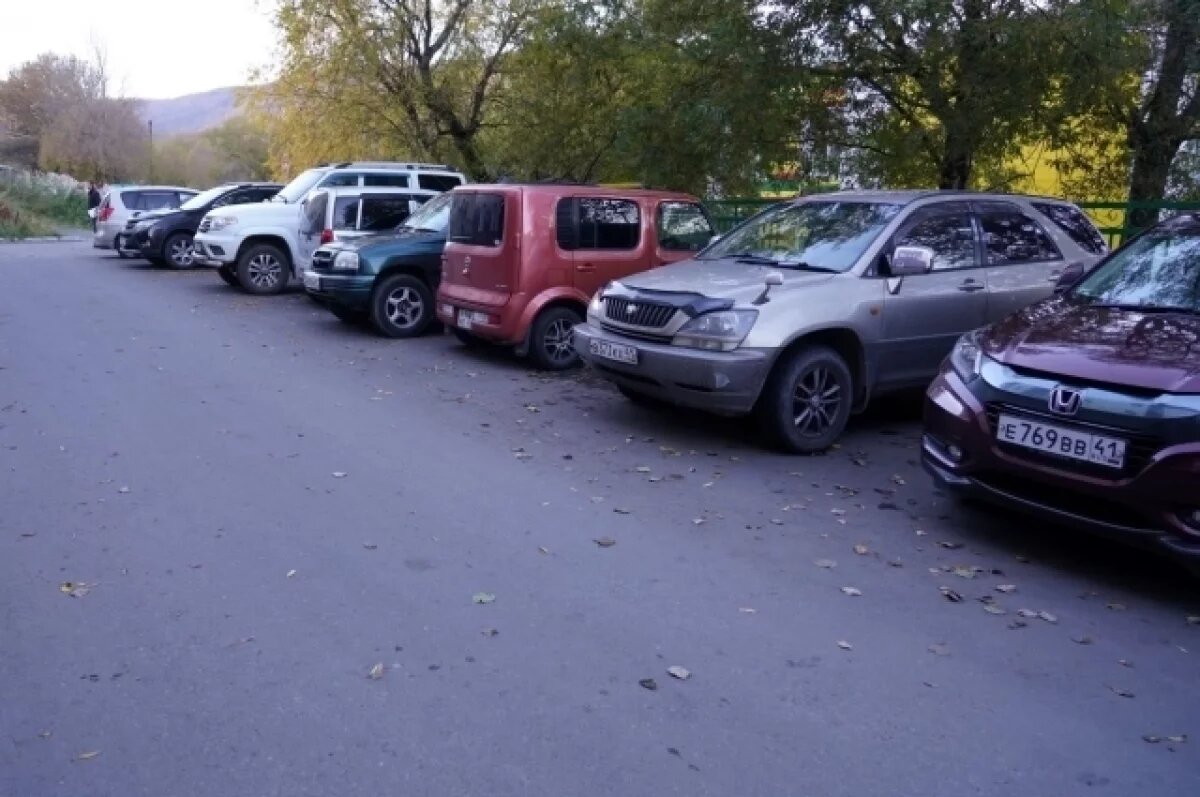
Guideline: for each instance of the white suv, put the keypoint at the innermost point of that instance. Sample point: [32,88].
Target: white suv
[260,247]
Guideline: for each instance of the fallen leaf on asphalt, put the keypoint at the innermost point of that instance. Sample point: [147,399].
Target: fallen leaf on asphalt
[291,573]
[897,479]
[1081,640]
[696,521]
[1120,692]
[895,563]
[76,589]
[952,546]
[861,549]
[543,549]
[851,591]
[483,597]
[1048,617]
[376,672]
[776,521]
[939,649]
[1006,588]
[490,632]
[648,683]
[950,595]
[681,673]
[339,474]
[88,756]
[964,572]
[1027,612]
[44,734]
[844,645]
[605,542]
[621,511]
[642,469]
[370,546]
[747,610]
[825,563]
[992,608]
[1117,607]
[1125,662]
[1152,739]
[123,490]
[1180,739]
[1015,624]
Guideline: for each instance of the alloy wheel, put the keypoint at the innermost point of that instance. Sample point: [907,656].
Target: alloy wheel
[404,307]
[265,270]
[557,341]
[181,253]
[816,401]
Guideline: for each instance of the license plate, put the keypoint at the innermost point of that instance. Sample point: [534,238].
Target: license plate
[1062,441]
[468,318]
[614,351]
[312,281]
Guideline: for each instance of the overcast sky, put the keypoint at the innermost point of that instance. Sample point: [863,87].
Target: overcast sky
[156,49]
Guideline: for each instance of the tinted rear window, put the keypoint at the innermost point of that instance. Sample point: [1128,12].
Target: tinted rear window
[438,182]
[609,223]
[477,219]
[381,213]
[386,179]
[345,213]
[1075,224]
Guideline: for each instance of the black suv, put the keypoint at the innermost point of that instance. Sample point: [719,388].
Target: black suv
[165,237]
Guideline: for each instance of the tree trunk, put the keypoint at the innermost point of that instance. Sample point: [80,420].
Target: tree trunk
[954,170]
[1148,179]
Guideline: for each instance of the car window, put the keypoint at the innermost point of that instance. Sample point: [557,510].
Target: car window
[433,215]
[682,226]
[477,219]
[384,212]
[1158,270]
[314,213]
[949,234]
[386,179]
[157,200]
[438,182]
[346,213]
[298,187]
[183,197]
[340,180]
[609,223]
[1075,223]
[1010,236]
[261,194]
[132,200]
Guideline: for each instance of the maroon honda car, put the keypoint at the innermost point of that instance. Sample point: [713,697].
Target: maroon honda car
[1085,407]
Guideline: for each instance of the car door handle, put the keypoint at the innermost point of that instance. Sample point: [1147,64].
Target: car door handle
[970,286]
[585,267]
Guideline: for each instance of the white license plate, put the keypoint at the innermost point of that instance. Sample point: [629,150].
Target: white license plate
[1062,441]
[468,318]
[614,351]
[312,280]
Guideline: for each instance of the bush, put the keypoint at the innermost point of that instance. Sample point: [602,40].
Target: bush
[35,203]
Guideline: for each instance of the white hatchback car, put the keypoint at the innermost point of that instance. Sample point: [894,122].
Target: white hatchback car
[121,202]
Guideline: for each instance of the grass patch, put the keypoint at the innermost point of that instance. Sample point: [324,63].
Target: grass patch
[33,205]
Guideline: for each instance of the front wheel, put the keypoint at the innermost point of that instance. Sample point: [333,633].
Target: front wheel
[263,270]
[550,343]
[806,403]
[401,306]
[178,250]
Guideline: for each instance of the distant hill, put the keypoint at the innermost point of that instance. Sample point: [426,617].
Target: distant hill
[191,113]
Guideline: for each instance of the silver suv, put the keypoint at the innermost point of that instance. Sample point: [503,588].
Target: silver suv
[808,310]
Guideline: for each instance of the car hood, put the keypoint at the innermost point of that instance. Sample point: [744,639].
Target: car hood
[1061,336]
[258,212]
[721,279]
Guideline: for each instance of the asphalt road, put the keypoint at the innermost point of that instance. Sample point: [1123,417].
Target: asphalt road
[263,504]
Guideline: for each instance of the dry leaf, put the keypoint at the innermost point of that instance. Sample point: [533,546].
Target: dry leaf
[747,610]
[992,608]
[543,549]
[376,672]
[1151,738]
[1049,618]
[483,597]
[1015,624]
[964,572]
[620,511]
[950,595]
[825,563]
[697,521]
[605,542]
[76,589]
[851,591]
[939,649]
[88,756]
[952,546]
[339,474]
[1180,739]
[648,683]
[679,672]
[1125,662]
[1006,588]
[844,645]
[291,573]
[642,469]
[1117,607]
[1027,612]
[370,546]
[861,549]
[123,490]
[490,632]
[1081,640]
[1120,692]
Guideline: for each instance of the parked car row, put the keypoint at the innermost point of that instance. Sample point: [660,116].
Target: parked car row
[1060,379]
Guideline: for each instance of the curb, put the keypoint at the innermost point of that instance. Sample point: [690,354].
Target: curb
[45,239]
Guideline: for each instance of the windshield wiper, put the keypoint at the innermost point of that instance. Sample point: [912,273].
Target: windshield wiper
[795,265]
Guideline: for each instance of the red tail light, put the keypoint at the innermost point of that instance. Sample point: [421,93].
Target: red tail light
[106,210]
[326,236]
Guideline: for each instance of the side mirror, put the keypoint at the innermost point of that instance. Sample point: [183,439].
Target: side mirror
[1067,279]
[911,260]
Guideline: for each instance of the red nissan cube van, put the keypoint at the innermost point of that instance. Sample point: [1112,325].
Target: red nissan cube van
[522,261]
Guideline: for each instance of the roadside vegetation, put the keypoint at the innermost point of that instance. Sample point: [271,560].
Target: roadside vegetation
[35,205]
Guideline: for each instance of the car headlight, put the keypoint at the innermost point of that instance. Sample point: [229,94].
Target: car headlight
[221,222]
[597,305]
[346,261]
[966,358]
[722,330]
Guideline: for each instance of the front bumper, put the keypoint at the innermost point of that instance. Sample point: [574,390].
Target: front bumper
[214,249]
[726,383]
[1145,508]
[350,291]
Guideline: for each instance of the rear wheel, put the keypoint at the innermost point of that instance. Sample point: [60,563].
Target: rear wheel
[228,274]
[178,250]
[263,269]
[550,343]
[401,306]
[806,403]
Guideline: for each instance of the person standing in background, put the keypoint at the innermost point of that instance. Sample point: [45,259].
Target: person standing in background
[93,203]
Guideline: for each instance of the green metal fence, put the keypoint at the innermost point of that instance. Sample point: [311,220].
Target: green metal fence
[1111,218]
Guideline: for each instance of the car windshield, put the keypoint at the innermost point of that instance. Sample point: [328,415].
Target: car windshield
[295,190]
[204,197]
[1160,271]
[821,235]
[434,215]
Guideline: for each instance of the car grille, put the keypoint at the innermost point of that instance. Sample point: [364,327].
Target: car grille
[1140,449]
[205,225]
[651,315]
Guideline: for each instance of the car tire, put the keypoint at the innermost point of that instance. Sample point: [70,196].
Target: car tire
[263,269]
[468,339]
[550,344]
[401,306]
[807,401]
[228,274]
[177,251]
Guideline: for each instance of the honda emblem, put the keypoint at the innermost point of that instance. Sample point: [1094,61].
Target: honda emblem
[631,309]
[1065,401]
